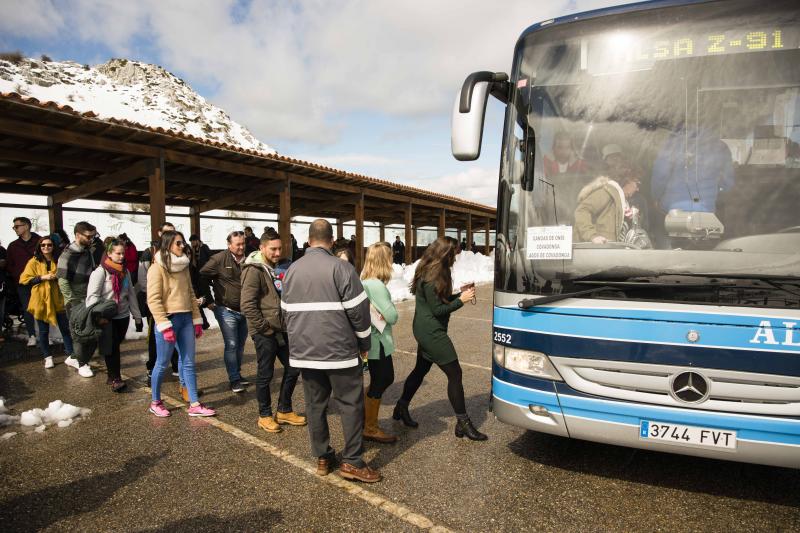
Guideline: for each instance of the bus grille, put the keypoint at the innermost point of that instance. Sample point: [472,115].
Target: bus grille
[729,391]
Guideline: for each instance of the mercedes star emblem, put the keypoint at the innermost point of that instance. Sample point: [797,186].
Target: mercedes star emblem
[689,387]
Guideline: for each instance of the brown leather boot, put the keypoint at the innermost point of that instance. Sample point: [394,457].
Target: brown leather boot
[324,466]
[372,430]
[365,474]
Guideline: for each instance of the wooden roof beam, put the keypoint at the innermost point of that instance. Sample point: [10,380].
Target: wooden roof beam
[107,181]
[248,195]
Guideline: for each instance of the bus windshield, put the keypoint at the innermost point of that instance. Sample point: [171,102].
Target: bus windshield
[655,146]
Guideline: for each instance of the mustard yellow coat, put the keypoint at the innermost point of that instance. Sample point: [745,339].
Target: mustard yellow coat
[46,300]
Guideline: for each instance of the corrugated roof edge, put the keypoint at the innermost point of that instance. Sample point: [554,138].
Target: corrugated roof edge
[63,108]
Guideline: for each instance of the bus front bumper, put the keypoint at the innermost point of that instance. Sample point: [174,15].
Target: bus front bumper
[543,406]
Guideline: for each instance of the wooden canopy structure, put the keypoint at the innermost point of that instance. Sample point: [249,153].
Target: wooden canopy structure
[50,149]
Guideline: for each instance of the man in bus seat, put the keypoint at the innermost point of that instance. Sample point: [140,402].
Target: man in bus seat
[565,159]
[691,169]
[604,212]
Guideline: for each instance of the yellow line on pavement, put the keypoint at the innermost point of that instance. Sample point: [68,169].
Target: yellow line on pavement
[376,500]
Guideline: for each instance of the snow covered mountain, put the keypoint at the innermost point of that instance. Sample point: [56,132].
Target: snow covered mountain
[128,90]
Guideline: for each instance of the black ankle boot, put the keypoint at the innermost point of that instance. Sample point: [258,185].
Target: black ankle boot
[464,427]
[401,413]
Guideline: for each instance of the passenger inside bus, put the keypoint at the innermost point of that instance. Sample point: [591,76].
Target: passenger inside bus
[565,159]
[604,211]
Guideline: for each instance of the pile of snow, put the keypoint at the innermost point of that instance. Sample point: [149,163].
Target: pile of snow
[468,268]
[58,412]
[127,90]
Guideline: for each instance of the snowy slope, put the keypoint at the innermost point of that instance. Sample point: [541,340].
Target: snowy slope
[128,90]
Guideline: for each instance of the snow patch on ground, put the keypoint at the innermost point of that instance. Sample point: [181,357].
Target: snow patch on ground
[468,268]
[57,413]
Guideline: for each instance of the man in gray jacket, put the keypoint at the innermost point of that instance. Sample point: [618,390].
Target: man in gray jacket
[328,324]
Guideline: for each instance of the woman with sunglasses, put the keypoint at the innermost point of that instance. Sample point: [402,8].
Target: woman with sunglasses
[112,281]
[177,318]
[46,303]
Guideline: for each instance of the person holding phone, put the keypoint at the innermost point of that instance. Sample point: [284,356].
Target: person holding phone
[433,286]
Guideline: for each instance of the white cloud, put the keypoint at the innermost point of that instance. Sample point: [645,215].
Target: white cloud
[39,18]
[476,184]
[287,70]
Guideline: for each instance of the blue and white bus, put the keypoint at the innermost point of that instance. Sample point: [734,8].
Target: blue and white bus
[647,282]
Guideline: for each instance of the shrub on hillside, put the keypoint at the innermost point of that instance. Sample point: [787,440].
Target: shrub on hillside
[15,57]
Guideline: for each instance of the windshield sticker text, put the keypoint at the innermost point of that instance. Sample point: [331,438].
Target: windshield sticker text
[549,242]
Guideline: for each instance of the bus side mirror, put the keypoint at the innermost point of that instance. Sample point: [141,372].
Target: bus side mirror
[469,112]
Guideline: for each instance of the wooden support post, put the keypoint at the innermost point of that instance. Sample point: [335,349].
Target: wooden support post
[414,245]
[409,258]
[339,228]
[442,223]
[487,245]
[359,212]
[469,232]
[55,214]
[285,219]
[382,232]
[157,189]
[194,221]
[458,235]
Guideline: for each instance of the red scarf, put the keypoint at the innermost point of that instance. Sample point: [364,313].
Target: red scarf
[118,273]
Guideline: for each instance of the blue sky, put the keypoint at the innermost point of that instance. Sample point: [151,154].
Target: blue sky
[365,86]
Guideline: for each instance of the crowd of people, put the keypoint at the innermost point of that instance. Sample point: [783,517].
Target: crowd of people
[316,315]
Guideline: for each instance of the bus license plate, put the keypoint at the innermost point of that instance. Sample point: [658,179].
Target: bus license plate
[687,435]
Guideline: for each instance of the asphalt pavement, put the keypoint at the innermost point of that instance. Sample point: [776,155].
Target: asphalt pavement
[121,469]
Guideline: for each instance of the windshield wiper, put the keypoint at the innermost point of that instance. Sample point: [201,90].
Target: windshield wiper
[532,302]
[619,286]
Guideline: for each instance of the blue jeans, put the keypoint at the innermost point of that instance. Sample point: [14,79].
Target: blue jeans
[44,334]
[24,293]
[234,333]
[184,335]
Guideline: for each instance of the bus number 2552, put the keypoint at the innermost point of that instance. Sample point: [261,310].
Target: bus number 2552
[502,338]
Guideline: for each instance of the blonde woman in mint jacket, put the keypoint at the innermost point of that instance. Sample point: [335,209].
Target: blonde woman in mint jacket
[376,274]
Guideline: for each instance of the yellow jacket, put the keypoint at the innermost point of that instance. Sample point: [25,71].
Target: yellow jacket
[46,300]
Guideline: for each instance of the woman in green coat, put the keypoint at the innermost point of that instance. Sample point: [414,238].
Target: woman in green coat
[376,274]
[433,286]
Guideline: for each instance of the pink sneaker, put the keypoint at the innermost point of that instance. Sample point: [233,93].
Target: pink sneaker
[158,409]
[201,410]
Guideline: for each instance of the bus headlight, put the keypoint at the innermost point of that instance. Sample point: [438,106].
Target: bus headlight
[526,362]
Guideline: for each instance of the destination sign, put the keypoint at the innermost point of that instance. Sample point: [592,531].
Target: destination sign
[621,51]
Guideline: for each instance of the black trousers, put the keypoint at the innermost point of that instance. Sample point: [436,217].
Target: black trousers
[347,386]
[455,386]
[110,340]
[381,374]
[267,350]
[151,348]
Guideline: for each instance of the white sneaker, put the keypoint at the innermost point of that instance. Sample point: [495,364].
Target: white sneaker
[48,362]
[31,341]
[85,371]
[71,361]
